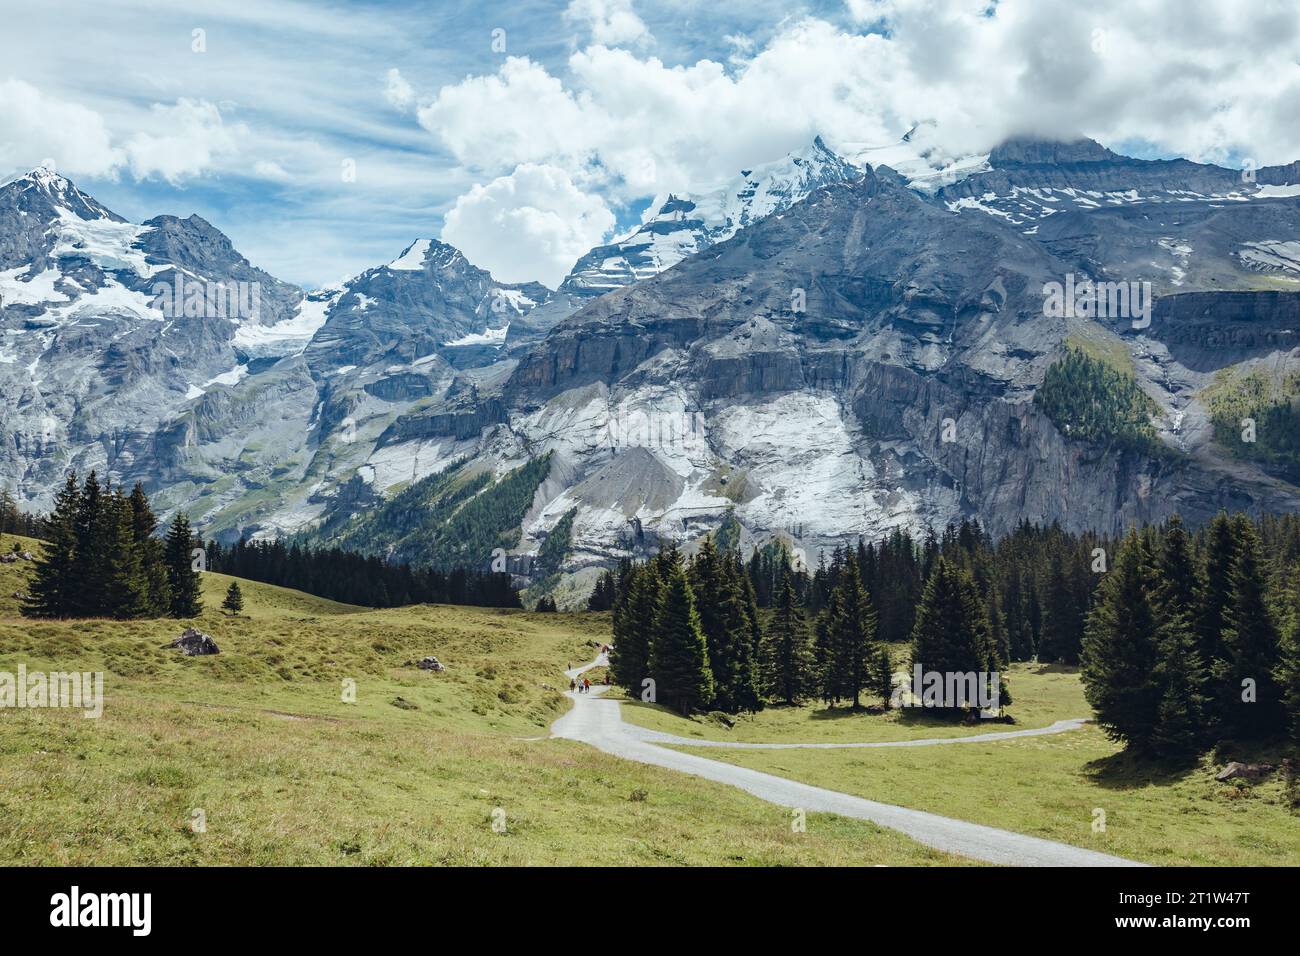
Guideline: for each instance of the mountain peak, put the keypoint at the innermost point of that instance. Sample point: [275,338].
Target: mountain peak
[57,192]
[1027,151]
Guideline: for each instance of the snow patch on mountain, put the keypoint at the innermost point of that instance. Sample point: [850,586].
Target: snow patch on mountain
[33,290]
[925,171]
[109,244]
[496,337]
[800,456]
[682,225]
[291,336]
[1275,255]
[412,259]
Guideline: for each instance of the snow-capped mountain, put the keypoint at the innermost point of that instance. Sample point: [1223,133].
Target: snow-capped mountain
[782,351]
[156,352]
[704,391]
[685,225]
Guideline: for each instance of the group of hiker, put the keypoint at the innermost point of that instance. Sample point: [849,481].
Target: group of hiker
[581,686]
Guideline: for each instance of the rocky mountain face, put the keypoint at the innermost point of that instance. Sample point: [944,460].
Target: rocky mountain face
[817,351]
[684,225]
[156,352]
[867,359]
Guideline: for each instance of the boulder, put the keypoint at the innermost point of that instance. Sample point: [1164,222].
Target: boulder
[194,643]
[1247,771]
[429,664]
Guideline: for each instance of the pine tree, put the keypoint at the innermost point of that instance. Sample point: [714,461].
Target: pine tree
[749,691]
[679,657]
[789,658]
[1180,674]
[1120,649]
[1216,595]
[1288,669]
[187,600]
[234,602]
[826,675]
[951,634]
[711,591]
[852,635]
[89,585]
[1062,617]
[54,585]
[1250,643]
[144,525]
[126,589]
[882,673]
[633,621]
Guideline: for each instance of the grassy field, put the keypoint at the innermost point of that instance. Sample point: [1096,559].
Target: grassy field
[1043,786]
[258,743]
[1041,696]
[1052,787]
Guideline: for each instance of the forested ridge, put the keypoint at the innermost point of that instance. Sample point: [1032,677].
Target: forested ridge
[445,521]
[1090,400]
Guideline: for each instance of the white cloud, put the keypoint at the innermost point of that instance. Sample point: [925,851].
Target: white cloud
[271,170]
[185,139]
[519,114]
[531,224]
[611,22]
[35,128]
[178,141]
[1191,77]
[398,91]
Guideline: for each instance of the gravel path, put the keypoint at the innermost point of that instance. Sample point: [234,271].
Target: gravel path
[599,723]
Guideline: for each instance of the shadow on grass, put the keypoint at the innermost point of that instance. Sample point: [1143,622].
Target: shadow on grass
[1070,669]
[1127,770]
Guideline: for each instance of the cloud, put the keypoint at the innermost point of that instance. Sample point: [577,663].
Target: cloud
[182,140]
[36,128]
[398,91]
[1190,77]
[520,114]
[185,140]
[531,224]
[611,22]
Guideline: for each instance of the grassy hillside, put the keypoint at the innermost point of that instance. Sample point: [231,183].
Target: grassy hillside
[286,772]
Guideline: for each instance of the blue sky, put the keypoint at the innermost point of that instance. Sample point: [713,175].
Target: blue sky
[592,109]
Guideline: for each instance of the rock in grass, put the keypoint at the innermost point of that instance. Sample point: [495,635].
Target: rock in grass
[404,704]
[429,664]
[194,643]
[1249,771]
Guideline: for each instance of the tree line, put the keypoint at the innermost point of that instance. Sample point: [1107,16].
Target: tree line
[1184,639]
[14,520]
[1195,639]
[353,578]
[692,631]
[102,558]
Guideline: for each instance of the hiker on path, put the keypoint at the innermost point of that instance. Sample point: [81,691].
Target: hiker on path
[573,683]
[586,685]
